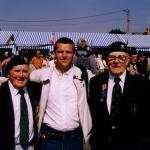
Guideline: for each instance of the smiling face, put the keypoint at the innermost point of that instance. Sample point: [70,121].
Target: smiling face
[19,75]
[117,62]
[63,55]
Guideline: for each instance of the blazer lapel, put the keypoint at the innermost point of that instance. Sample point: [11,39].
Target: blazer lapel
[9,113]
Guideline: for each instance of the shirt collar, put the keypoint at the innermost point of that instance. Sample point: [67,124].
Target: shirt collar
[15,90]
[65,73]
[122,76]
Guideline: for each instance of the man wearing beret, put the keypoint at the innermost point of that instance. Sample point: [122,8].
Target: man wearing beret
[119,104]
[133,59]
[18,98]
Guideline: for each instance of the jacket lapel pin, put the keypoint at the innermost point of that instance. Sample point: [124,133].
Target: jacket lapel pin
[103,93]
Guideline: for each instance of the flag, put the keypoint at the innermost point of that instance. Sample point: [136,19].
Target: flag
[52,38]
[10,40]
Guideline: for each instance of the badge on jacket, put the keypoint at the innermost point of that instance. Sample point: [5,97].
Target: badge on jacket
[103,93]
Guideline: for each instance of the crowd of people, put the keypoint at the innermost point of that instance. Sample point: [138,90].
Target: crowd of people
[53,103]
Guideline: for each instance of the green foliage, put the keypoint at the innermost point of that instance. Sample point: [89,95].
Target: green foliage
[117,31]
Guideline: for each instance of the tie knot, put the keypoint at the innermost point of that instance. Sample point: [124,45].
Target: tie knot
[21,92]
[117,79]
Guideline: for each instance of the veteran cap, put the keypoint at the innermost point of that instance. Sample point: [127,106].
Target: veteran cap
[132,51]
[116,47]
[16,60]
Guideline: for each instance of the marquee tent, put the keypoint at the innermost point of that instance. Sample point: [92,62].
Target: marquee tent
[30,40]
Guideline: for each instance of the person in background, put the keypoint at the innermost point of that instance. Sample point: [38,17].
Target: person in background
[84,57]
[5,59]
[133,58]
[101,64]
[142,64]
[5,55]
[37,60]
[64,116]
[119,104]
[45,61]
[17,127]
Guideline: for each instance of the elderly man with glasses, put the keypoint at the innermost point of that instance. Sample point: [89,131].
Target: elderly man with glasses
[119,105]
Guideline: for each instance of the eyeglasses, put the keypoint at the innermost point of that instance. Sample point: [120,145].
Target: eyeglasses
[120,58]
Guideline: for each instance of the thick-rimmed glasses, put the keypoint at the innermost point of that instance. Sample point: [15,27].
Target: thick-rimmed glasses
[120,58]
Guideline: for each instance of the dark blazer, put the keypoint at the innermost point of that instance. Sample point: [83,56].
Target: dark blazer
[7,125]
[131,128]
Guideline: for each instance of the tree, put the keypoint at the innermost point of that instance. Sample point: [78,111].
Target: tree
[117,31]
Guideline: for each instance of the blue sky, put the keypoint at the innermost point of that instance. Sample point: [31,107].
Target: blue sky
[74,15]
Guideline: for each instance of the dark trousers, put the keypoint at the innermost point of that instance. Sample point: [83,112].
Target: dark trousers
[51,139]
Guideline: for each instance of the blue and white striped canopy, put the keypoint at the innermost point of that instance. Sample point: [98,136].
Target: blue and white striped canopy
[42,39]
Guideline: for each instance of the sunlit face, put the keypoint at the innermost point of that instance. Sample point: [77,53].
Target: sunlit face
[19,75]
[117,62]
[38,53]
[64,55]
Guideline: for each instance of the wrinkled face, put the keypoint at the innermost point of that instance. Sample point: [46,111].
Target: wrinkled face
[64,55]
[117,62]
[19,75]
[133,59]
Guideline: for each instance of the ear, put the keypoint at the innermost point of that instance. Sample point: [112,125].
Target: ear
[54,55]
[127,61]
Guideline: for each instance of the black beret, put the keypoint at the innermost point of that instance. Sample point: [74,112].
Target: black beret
[132,51]
[116,47]
[16,60]
[140,53]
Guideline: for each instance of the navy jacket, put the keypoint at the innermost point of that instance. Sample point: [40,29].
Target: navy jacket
[131,128]
[7,125]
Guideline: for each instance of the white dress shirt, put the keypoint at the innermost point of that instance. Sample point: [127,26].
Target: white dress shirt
[61,111]
[110,88]
[16,104]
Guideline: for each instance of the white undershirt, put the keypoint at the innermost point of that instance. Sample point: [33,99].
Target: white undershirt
[61,111]
[110,88]
[16,104]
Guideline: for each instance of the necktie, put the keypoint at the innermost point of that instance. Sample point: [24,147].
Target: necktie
[24,121]
[116,96]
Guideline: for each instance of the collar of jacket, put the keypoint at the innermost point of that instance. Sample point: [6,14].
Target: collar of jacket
[76,74]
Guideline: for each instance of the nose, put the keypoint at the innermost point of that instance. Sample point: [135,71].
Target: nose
[64,54]
[20,74]
[116,60]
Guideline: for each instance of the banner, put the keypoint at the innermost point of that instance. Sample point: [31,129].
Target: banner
[52,38]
